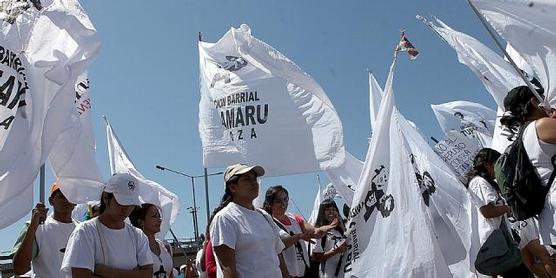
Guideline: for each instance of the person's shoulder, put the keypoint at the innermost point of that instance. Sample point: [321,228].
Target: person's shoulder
[547,122]
[86,225]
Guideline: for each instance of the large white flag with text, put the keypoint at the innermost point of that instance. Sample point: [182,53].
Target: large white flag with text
[390,229]
[45,46]
[73,156]
[530,28]
[149,191]
[259,107]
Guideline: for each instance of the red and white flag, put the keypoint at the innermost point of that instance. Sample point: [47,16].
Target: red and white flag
[406,46]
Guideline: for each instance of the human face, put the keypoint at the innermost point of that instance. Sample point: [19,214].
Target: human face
[246,188]
[60,203]
[280,203]
[330,213]
[117,211]
[152,221]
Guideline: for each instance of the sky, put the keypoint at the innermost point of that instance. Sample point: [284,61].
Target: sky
[145,78]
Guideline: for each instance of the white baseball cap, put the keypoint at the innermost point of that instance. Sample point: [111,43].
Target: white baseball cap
[124,188]
[240,169]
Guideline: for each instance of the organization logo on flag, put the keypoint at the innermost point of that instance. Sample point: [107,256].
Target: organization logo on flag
[406,46]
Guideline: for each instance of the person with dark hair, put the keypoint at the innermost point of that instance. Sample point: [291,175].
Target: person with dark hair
[147,217]
[106,245]
[42,245]
[486,195]
[293,230]
[539,140]
[245,240]
[329,249]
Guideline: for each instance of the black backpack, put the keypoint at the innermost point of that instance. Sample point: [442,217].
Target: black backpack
[519,181]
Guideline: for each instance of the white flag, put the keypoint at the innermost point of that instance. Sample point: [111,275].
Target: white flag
[149,191]
[465,116]
[375,97]
[391,231]
[73,156]
[345,177]
[495,73]
[530,28]
[316,205]
[259,107]
[58,43]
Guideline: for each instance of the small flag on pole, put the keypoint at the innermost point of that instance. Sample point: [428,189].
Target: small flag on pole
[406,46]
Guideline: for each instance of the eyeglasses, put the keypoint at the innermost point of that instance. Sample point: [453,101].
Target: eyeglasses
[282,200]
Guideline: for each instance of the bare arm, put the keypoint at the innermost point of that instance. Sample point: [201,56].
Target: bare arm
[322,257]
[145,271]
[22,258]
[492,211]
[81,273]
[546,129]
[227,258]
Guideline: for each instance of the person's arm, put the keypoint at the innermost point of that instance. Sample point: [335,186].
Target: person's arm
[210,261]
[227,259]
[144,271]
[24,254]
[81,273]
[546,129]
[283,267]
[492,211]
[321,257]
[291,240]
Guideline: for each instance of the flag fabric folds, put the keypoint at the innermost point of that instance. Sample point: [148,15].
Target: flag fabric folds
[387,212]
[58,43]
[259,107]
[73,155]
[530,28]
[345,177]
[149,191]
[375,97]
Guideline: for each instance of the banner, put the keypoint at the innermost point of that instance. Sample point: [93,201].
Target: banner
[149,191]
[252,97]
[390,230]
[530,28]
[458,151]
[73,155]
[316,204]
[43,50]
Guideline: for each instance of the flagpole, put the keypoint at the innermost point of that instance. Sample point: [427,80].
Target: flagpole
[207,200]
[543,102]
[42,193]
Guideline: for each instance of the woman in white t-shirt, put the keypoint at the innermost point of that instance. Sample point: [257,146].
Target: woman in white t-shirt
[293,230]
[106,245]
[329,250]
[245,240]
[491,207]
[147,217]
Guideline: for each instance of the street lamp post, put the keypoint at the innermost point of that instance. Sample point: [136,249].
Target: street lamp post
[194,208]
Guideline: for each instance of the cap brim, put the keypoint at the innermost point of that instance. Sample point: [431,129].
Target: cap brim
[259,171]
[126,200]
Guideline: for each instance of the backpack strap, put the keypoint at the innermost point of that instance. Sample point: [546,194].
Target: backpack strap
[553,175]
[297,244]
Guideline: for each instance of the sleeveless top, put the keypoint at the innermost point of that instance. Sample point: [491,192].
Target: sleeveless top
[540,153]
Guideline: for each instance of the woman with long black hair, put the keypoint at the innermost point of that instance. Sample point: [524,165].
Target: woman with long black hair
[245,240]
[329,249]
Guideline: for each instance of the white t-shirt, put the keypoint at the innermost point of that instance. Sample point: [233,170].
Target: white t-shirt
[483,194]
[254,238]
[328,268]
[93,243]
[51,238]
[526,230]
[294,257]
[540,154]
[198,263]
[164,260]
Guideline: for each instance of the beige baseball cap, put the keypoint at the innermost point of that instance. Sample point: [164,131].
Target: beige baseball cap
[125,189]
[240,169]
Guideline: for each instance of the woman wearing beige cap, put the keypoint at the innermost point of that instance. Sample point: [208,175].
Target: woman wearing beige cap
[106,246]
[245,240]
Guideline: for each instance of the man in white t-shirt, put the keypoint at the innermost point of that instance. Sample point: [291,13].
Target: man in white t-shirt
[43,245]
[106,245]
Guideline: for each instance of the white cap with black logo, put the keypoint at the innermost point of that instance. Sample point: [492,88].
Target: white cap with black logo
[124,188]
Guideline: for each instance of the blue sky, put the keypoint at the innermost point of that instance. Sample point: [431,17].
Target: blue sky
[145,78]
